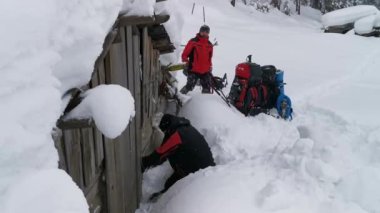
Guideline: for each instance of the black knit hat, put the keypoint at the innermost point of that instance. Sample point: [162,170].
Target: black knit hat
[166,121]
[204,28]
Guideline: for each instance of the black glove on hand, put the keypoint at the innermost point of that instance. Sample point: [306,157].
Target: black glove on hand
[150,160]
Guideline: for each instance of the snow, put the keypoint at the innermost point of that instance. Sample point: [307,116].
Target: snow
[47,47]
[43,184]
[365,25]
[348,15]
[325,160]
[110,106]
[311,13]
[377,21]
[138,7]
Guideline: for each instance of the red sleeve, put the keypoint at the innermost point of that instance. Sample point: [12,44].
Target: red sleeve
[186,52]
[169,145]
[211,54]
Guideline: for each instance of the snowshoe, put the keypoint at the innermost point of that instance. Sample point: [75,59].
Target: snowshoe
[284,107]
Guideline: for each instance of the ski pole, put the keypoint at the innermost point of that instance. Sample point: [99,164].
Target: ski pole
[221,94]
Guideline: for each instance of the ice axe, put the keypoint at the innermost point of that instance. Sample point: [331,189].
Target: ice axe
[249,58]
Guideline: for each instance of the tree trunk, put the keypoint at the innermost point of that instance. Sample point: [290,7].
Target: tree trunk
[323,6]
[276,3]
[298,6]
[315,4]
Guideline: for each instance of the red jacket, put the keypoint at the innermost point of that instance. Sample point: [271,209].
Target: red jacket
[198,53]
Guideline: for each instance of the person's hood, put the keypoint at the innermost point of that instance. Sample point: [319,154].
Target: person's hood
[171,122]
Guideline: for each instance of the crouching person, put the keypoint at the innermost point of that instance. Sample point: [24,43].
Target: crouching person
[184,147]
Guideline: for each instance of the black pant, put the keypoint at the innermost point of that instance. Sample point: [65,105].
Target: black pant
[169,182]
[172,180]
[205,79]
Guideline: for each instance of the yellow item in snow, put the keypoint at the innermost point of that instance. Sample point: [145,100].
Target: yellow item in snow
[176,67]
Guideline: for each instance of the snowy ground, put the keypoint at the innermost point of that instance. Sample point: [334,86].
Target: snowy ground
[325,160]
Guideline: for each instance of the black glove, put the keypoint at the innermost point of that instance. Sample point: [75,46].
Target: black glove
[150,160]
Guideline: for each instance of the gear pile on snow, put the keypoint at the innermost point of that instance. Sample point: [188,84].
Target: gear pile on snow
[258,89]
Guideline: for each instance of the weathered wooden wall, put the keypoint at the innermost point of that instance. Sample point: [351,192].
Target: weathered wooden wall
[108,170]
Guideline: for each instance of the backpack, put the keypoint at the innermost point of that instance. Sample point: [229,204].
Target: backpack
[269,75]
[257,89]
[269,80]
[248,91]
[250,72]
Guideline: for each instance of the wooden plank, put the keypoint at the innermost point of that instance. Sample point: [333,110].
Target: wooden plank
[74,156]
[102,70]
[106,47]
[95,195]
[151,79]
[126,20]
[145,72]
[124,162]
[137,95]
[146,124]
[117,63]
[114,204]
[88,155]
[95,77]
[132,174]
[156,73]
[107,69]
[99,149]
[59,144]
[118,75]
[75,123]
[129,161]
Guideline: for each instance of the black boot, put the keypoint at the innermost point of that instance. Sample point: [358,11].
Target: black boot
[184,90]
[190,84]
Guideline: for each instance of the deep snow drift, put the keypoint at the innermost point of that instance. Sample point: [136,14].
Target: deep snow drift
[325,160]
[47,47]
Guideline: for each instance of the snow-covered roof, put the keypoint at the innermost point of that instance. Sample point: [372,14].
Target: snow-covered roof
[348,15]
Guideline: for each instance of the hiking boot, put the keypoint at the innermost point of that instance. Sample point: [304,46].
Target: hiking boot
[184,90]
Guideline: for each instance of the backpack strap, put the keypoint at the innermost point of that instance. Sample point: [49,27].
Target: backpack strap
[255,97]
[264,95]
[243,93]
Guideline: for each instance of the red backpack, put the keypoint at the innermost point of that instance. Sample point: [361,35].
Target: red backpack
[248,92]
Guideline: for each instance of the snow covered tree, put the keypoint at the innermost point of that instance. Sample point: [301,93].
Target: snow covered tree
[331,5]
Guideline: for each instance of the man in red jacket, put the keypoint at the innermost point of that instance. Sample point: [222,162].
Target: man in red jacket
[198,54]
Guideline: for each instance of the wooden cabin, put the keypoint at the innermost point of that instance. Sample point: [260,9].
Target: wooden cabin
[343,29]
[108,170]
